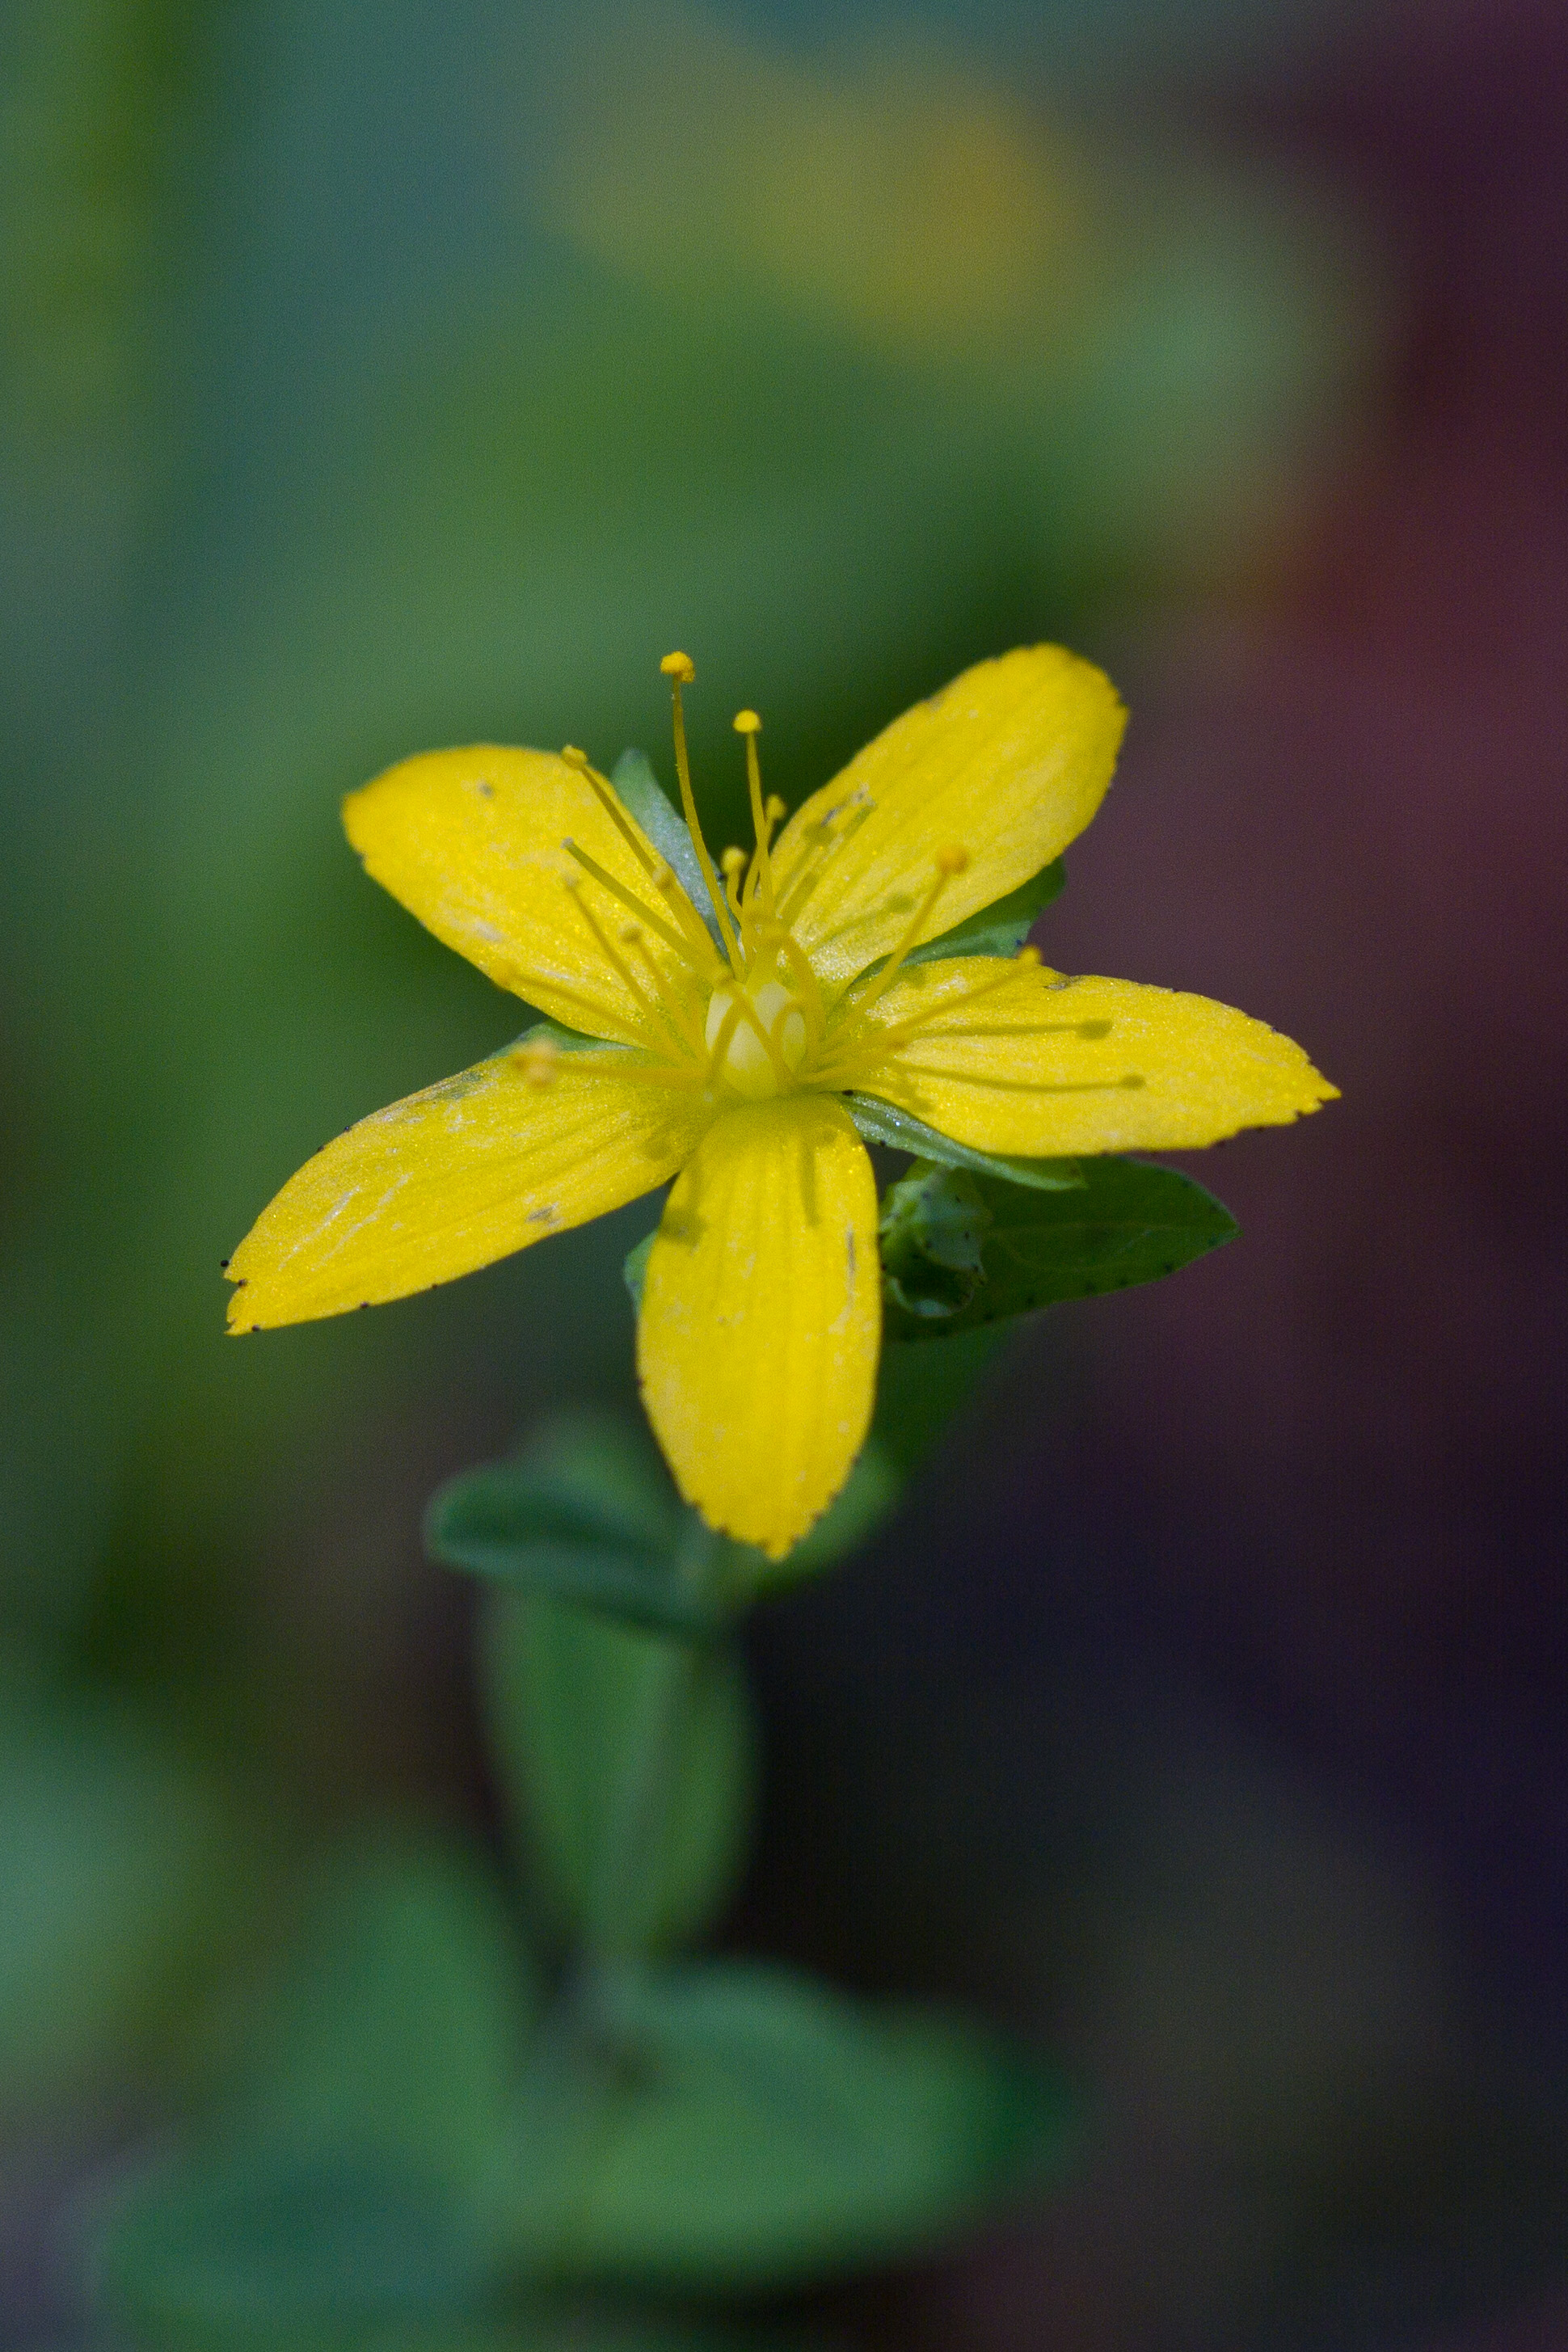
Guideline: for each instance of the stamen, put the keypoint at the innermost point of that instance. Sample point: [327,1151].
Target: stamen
[733,862]
[678,669]
[761,879]
[679,1014]
[672,890]
[612,956]
[865,1051]
[949,863]
[630,900]
[606,794]
[824,842]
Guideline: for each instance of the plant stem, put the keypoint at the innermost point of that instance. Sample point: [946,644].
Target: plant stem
[637,1831]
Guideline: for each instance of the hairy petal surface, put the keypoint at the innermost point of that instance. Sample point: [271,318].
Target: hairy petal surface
[452,1178]
[1009,763]
[761,1318]
[1047,1067]
[471,842]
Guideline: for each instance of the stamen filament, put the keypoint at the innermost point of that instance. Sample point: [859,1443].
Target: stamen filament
[667,883]
[825,842]
[760,881]
[604,793]
[680,1013]
[612,957]
[950,862]
[865,1051]
[678,669]
[630,901]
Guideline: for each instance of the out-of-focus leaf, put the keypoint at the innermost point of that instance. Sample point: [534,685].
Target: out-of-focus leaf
[250,2257]
[900,1131]
[587,1513]
[758,2130]
[394,2032]
[919,1390]
[636,1857]
[337,2185]
[1131,1222]
[639,788]
[120,1871]
[1001,928]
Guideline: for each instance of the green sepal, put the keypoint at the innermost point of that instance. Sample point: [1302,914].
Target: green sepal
[633,1270]
[756,2131]
[1001,928]
[1129,1222]
[585,1513]
[564,1040]
[900,1131]
[643,795]
[570,1699]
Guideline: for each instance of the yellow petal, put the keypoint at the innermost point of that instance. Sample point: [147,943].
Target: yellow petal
[452,1178]
[471,841]
[1009,764]
[761,1317]
[1044,1065]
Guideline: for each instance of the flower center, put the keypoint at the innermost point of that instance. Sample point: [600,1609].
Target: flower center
[750,1020]
[755,1035]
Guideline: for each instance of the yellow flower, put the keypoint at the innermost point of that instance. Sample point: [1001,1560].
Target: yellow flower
[718,1044]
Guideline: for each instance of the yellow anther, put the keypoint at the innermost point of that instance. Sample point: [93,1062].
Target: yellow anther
[572,756]
[1028,956]
[732,863]
[679,666]
[773,808]
[536,1062]
[747,723]
[952,861]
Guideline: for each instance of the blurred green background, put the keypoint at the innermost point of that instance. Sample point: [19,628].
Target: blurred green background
[374,377]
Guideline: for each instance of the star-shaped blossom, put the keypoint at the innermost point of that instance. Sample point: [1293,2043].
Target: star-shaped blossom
[723,1023]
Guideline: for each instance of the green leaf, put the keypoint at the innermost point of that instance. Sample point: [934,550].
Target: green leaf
[250,2257]
[641,793]
[397,2022]
[1131,1222]
[900,1131]
[1001,928]
[919,1390]
[756,2131]
[630,1761]
[338,2181]
[587,1513]
[124,1878]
